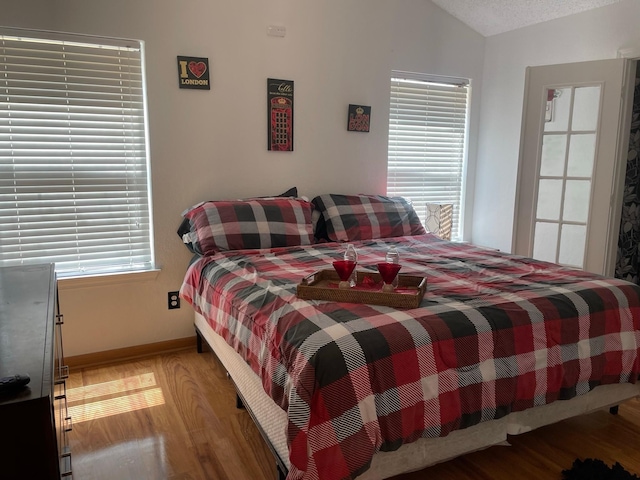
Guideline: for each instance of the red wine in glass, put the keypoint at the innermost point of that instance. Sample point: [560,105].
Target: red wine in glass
[344,269]
[388,272]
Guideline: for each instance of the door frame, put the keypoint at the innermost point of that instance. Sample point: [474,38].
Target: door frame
[632,54]
[622,151]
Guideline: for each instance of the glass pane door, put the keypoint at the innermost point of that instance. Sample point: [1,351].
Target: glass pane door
[565,177]
[571,166]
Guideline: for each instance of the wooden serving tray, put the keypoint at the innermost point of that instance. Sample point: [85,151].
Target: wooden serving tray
[323,285]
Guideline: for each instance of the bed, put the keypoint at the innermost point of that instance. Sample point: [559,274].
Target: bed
[499,345]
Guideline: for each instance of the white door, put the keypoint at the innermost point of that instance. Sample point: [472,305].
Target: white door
[571,170]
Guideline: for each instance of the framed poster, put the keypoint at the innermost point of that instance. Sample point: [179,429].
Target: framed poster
[359,118]
[280,114]
[193,72]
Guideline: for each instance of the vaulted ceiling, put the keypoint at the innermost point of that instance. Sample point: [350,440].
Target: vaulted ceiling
[490,17]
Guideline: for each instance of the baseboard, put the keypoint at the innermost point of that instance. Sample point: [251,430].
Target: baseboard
[128,353]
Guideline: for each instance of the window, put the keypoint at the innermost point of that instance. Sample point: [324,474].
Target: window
[74,173]
[427,139]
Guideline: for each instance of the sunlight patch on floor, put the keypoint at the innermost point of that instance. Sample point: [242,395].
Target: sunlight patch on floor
[101,400]
[136,382]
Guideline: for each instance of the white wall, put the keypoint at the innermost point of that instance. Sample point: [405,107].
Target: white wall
[592,35]
[212,144]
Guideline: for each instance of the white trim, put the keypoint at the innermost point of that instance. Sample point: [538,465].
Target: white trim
[71,283]
[85,40]
[630,52]
[425,77]
[620,169]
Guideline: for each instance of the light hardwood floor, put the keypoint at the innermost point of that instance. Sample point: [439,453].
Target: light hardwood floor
[173,416]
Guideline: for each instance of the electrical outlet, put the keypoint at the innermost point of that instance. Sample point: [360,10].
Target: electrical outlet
[173,300]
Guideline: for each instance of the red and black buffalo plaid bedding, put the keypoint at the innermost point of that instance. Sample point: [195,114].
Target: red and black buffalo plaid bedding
[495,333]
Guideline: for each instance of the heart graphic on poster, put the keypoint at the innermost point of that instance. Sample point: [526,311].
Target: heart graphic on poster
[197,68]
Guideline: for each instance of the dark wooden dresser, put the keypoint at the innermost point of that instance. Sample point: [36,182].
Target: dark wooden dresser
[33,421]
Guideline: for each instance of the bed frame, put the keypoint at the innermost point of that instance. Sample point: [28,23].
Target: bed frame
[271,420]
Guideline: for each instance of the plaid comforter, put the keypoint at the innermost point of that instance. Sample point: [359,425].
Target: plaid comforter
[495,333]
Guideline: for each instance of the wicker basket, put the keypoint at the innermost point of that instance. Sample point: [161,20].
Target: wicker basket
[321,285]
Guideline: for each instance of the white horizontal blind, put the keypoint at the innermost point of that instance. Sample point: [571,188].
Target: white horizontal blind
[73,156]
[427,139]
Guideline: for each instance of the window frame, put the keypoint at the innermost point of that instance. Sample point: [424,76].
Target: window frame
[393,185]
[95,83]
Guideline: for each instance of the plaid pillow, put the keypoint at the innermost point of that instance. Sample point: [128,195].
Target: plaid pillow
[365,217]
[185,228]
[254,223]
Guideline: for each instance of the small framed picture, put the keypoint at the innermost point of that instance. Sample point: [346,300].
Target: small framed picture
[193,72]
[359,118]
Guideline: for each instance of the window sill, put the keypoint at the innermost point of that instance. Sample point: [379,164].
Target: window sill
[476,245]
[107,279]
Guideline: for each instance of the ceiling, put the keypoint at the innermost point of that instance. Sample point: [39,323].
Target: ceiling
[490,17]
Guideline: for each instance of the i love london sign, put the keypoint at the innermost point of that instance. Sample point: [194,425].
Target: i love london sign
[193,72]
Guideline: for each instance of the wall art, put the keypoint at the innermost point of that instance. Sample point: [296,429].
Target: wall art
[280,114]
[193,72]
[359,118]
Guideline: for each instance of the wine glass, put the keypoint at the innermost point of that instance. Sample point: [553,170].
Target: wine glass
[344,269]
[388,272]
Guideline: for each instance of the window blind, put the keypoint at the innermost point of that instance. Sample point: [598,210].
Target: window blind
[74,179]
[427,139]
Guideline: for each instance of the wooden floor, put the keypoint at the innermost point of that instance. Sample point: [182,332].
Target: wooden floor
[173,417]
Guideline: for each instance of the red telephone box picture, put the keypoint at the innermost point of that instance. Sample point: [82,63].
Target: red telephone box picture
[280,108]
[281,124]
